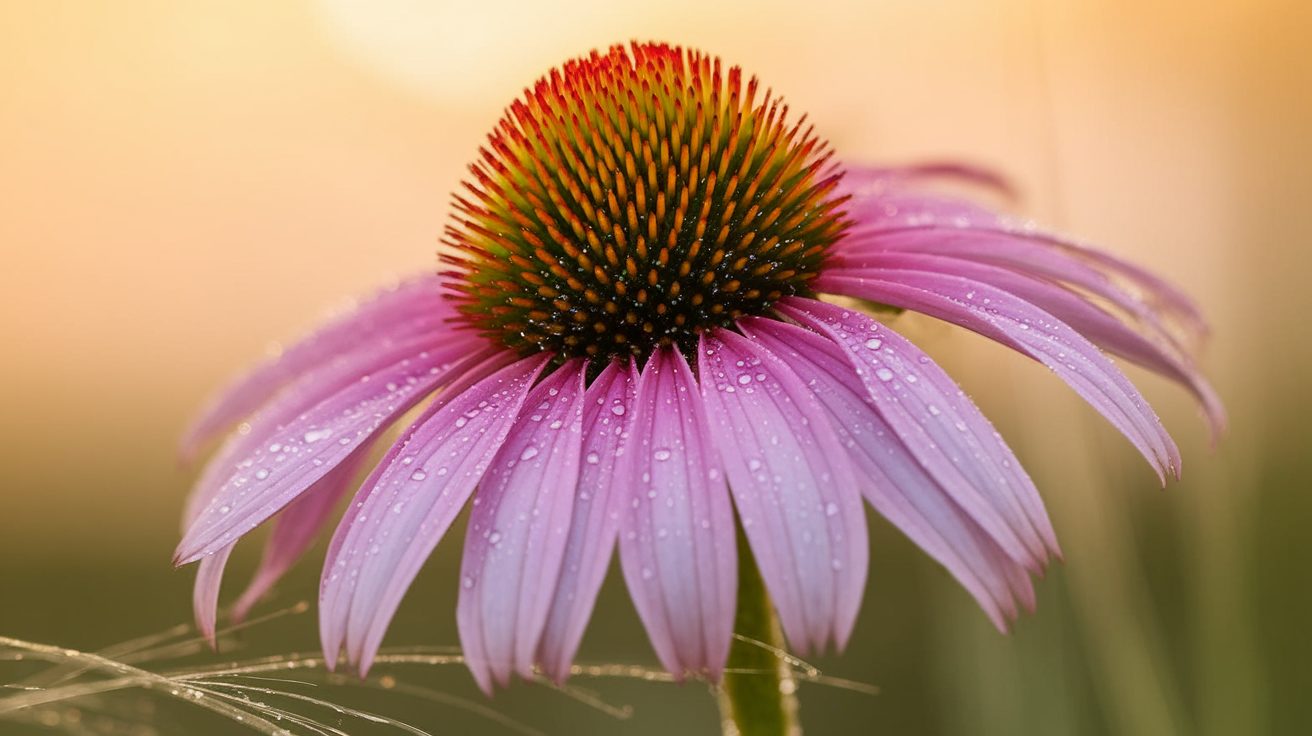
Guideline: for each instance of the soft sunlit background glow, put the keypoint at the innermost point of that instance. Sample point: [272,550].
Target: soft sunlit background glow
[181,183]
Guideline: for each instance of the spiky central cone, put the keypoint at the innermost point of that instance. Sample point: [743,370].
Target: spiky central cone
[634,199]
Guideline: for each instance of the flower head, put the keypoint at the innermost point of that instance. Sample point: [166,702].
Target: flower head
[626,347]
[635,200]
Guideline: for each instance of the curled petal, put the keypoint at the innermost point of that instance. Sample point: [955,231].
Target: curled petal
[793,485]
[408,502]
[608,411]
[677,546]
[518,531]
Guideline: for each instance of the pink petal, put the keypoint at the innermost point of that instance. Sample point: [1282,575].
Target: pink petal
[205,595]
[314,388]
[295,529]
[608,411]
[1086,318]
[677,534]
[941,427]
[404,311]
[892,479]
[793,485]
[305,449]
[518,531]
[408,502]
[1027,329]
[902,220]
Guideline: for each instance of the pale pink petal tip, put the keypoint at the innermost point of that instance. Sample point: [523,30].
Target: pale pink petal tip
[677,545]
[205,598]
[793,485]
[608,412]
[518,531]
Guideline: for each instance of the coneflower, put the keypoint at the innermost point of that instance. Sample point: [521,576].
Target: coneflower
[627,343]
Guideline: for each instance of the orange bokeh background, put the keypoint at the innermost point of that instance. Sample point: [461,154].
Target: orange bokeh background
[182,183]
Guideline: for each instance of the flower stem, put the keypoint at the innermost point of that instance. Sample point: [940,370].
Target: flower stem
[758,694]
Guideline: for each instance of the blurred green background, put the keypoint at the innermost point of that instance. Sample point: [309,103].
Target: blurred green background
[181,183]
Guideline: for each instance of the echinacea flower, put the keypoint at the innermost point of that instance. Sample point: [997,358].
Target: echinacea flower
[627,345]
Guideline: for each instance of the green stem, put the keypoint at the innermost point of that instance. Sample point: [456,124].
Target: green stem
[758,694]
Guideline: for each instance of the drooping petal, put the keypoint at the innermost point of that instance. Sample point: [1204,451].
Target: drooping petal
[205,594]
[306,448]
[941,427]
[891,477]
[406,505]
[1086,318]
[409,309]
[793,485]
[295,529]
[303,395]
[677,546]
[608,412]
[518,531]
[1022,326]
[903,220]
